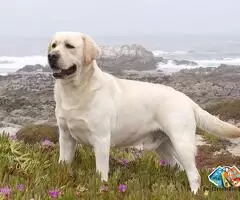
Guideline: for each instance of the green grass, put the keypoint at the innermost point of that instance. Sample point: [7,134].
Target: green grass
[37,168]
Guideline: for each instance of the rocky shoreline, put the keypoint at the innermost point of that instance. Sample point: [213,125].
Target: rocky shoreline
[26,97]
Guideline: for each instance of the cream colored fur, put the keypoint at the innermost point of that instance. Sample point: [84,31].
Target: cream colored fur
[96,108]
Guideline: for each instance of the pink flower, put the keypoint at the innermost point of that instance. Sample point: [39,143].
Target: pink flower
[13,137]
[20,187]
[53,193]
[104,188]
[124,162]
[47,143]
[138,154]
[5,191]
[163,162]
[122,188]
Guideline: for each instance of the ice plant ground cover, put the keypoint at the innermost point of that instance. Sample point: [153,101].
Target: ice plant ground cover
[32,172]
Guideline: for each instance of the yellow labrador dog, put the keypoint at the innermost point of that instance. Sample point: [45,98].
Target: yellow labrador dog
[96,108]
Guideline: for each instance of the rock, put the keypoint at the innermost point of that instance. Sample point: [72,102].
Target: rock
[9,130]
[34,133]
[184,62]
[207,85]
[176,62]
[200,141]
[126,57]
[27,98]
[117,51]
[234,149]
[34,68]
[6,62]
[161,60]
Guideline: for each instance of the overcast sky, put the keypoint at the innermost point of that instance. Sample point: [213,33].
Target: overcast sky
[119,17]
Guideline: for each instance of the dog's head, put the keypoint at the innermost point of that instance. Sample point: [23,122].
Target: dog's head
[69,52]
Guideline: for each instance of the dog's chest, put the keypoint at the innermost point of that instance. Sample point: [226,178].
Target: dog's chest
[77,126]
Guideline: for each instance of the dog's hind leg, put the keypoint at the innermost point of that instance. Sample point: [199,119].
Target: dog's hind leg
[186,154]
[182,136]
[158,141]
[168,154]
[179,125]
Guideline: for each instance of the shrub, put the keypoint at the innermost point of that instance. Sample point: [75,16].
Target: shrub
[226,110]
[34,133]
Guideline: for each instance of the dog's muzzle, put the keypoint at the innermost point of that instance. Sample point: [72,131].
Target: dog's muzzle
[53,60]
[59,73]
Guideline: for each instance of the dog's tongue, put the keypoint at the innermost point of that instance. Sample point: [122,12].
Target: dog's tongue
[58,75]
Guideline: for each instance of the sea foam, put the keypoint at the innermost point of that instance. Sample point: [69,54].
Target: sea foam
[11,64]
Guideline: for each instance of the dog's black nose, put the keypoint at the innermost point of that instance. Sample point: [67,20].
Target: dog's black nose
[53,58]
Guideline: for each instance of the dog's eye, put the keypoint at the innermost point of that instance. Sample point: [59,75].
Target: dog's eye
[69,46]
[54,45]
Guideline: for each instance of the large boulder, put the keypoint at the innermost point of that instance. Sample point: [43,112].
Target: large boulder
[126,57]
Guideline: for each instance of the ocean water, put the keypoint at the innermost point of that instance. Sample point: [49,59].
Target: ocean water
[203,59]
[206,50]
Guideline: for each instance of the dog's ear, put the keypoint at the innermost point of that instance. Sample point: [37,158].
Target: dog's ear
[90,50]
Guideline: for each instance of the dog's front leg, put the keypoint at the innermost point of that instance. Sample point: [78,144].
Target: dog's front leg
[67,145]
[101,149]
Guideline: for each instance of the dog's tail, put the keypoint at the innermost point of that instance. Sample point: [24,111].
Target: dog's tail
[213,125]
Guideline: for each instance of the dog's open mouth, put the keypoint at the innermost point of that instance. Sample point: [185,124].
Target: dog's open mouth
[61,73]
